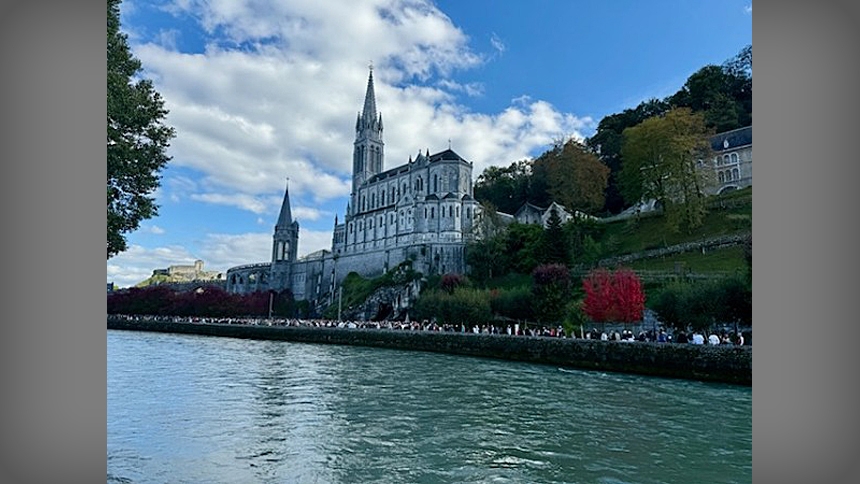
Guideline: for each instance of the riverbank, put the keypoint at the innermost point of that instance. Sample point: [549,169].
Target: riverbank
[720,363]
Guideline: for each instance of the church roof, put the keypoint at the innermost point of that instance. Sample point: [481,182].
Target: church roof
[448,154]
[450,196]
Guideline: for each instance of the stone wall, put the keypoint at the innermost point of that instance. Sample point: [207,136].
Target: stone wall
[727,364]
[699,245]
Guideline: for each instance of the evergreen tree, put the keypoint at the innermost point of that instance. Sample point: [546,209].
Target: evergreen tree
[137,138]
[555,246]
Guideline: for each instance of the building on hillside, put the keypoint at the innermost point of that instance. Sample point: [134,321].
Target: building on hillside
[192,272]
[420,211]
[732,162]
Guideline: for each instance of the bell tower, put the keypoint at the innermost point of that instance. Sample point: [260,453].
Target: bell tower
[285,245]
[368,152]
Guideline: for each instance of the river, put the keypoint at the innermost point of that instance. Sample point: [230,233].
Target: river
[202,409]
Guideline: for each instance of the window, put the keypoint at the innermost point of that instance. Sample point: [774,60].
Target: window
[432,212]
[722,177]
[725,159]
[734,157]
[435,183]
[736,174]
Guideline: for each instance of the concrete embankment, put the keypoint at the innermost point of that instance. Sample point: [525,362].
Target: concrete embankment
[727,364]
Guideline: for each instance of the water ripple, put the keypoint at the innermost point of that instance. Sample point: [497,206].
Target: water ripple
[186,408]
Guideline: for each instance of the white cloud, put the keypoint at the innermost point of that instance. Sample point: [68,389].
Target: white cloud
[276,92]
[748,9]
[246,202]
[309,213]
[222,251]
[155,229]
[497,43]
[312,241]
[471,89]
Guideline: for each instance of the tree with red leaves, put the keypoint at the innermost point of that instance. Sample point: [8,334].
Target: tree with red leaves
[613,296]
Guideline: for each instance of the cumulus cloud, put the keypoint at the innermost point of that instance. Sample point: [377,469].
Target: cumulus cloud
[276,90]
[274,95]
[312,241]
[748,9]
[309,213]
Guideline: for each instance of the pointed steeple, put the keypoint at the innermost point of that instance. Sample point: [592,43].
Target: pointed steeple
[368,115]
[368,157]
[285,219]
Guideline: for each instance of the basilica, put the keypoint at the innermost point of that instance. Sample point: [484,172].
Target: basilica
[420,211]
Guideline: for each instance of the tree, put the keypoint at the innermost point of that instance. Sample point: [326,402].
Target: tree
[613,296]
[666,159]
[556,249]
[137,138]
[505,188]
[575,176]
[551,291]
[607,142]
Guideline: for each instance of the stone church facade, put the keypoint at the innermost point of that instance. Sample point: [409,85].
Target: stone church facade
[421,211]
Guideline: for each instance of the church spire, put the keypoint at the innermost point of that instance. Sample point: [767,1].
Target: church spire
[285,219]
[369,152]
[368,115]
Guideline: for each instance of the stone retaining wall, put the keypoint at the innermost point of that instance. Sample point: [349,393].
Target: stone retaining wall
[727,364]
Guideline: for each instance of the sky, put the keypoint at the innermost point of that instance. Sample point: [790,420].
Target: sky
[265,93]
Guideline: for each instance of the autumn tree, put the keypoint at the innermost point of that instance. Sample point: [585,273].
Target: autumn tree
[575,176]
[137,138]
[613,296]
[666,159]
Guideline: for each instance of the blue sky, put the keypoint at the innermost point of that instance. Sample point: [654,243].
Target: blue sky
[264,90]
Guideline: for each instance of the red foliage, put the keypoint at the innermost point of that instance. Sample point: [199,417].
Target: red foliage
[598,295]
[451,281]
[614,296]
[551,274]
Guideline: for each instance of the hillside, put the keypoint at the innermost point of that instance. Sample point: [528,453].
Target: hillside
[729,214]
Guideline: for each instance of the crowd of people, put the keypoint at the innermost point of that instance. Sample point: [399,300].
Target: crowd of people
[513,329]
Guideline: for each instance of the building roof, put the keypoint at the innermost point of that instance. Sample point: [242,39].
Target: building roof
[448,154]
[732,139]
